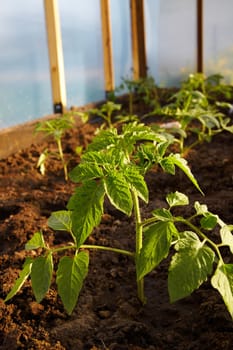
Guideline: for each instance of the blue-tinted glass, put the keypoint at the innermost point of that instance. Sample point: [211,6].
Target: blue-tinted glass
[171,39]
[82,45]
[121,36]
[25,92]
[218,29]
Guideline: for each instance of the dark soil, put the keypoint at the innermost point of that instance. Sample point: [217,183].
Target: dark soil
[108,314]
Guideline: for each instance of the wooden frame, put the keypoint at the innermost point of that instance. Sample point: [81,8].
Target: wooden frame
[55,55]
[107,46]
[200,36]
[138,39]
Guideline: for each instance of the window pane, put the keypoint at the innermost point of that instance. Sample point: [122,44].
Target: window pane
[25,92]
[82,46]
[121,36]
[171,39]
[218,28]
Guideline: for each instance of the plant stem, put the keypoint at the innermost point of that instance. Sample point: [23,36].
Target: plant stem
[116,250]
[139,237]
[90,246]
[59,145]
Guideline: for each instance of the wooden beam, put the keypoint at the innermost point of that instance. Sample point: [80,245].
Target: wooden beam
[107,46]
[199,36]
[55,55]
[138,39]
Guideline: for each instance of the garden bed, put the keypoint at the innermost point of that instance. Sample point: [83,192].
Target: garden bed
[108,314]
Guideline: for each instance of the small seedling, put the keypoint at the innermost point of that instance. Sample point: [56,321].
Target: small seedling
[191,108]
[143,89]
[106,112]
[55,128]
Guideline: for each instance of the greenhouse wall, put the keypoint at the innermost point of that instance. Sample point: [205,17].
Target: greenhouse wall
[171,48]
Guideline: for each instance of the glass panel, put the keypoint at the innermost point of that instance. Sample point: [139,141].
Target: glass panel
[218,28]
[171,39]
[25,92]
[82,46]
[121,36]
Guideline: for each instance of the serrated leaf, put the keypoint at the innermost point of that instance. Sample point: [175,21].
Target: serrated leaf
[137,181]
[189,268]
[209,221]
[96,157]
[23,275]
[183,165]
[162,147]
[60,220]
[85,171]
[140,132]
[156,245]
[70,276]
[177,198]
[201,209]
[168,165]
[118,191]
[87,207]
[187,239]
[222,280]
[162,214]
[37,241]
[103,140]
[226,236]
[41,275]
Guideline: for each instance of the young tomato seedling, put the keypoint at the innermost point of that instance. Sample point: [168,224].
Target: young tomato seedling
[55,128]
[113,166]
[191,108]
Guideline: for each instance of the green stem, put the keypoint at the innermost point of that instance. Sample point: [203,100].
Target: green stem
[59,145]
[90,246]
[116,250]
[139,238]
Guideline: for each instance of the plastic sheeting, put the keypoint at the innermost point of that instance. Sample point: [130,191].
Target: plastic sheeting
[25,91]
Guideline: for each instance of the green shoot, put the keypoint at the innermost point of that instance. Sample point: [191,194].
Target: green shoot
[55,128]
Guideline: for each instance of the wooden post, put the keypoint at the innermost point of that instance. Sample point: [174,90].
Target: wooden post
[138,39]
[107,46]
[55,55]
[199,36]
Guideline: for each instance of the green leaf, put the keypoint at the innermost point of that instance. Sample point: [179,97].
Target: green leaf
[156,245]
[86,171]
[189,268]
[118,191]
[226,236]
[103,140]
[37,241]
[222,280]
[201,209]
[70,276]
[183,165]
[168,165]
[87,207]
[177,198]
[140,132]
[187,239]
[23,275]
[209,221]
[137,181]
[162,147]
[162,214]
[41,275]
[60,221]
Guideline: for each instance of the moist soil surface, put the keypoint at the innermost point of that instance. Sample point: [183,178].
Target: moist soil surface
[108,314]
